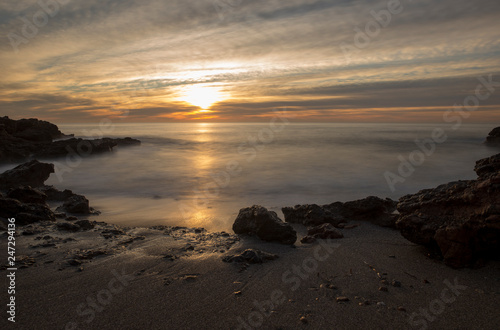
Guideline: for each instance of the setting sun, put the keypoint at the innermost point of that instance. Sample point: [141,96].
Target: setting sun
[202,96]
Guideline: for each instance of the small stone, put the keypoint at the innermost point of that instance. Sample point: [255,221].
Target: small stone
[381,303]
[342,299]
[393,257]
[303,319]
[238,293]
[383,288]
[401,309]
[396,284]
[384,282]
[425,281]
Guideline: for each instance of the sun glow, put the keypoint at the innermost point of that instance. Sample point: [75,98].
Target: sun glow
[202,96]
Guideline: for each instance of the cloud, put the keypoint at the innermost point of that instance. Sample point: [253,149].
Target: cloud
[94,54]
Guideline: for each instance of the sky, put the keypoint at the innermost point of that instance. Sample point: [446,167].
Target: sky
[75,61]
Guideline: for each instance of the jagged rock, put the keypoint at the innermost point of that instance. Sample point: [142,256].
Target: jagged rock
[257,220]
[460,220]
[311,215]
[372,209]
[26,194]
[54,194]
[32,174]
[251,256]
[76,204]
[324,231]
[493,139]
[27,138]
[25,213]
[85,224]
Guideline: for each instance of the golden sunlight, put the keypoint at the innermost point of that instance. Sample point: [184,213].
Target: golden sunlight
[202,96]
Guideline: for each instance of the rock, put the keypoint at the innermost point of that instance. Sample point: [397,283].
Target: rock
[310,215]
[324,231]
[458,220]
[26,138]
[67,226]
[26,194]
[371,209]
[77,204]
[257,220]
[54,194]
[493,139]
[342,299]
[85,224]
[251,256]
[32,174]
[383,289]
[25,213]
[396,284]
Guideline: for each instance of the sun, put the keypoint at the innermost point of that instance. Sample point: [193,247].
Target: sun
[202,96]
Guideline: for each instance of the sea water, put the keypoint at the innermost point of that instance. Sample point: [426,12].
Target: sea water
[202,174]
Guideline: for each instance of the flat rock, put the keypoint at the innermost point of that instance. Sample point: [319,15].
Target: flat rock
[32,174]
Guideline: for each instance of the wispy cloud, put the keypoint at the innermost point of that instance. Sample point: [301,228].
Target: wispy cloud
[98,54]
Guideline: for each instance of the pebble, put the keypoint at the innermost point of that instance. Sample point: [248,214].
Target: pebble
[383,288]
[381,303]
[401,309]
[396,284]
[342,299]
[303,319]
[238,293]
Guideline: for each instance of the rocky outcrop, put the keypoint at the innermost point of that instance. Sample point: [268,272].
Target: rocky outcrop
[77,204]
[28,138]
[25,213]
[324,231]
[26,194]
[460,220]
[266,225]
[493,139]
[372,209]
[32,174]
[311,215]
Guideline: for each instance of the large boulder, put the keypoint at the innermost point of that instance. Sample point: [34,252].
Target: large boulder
[493,139]
[257,220]
[460,220]
[32,174]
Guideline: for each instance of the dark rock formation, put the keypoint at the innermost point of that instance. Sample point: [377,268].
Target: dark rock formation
[257,220]
[24,213]
[324,231]
[372,209]
[76,204]
[26,194]
[311,214]
[85,224]
[54,194]
[493,139]
[31,174]
[460,220]
[28,138]
[250,256]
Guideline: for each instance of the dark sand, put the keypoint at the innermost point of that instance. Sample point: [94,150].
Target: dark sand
[196,290]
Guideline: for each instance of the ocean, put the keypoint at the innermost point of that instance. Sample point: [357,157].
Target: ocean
[201,175]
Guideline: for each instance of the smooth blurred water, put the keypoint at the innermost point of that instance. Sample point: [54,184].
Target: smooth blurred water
[165,180]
